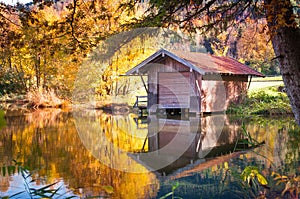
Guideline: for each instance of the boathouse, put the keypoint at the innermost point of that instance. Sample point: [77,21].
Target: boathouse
[192,81]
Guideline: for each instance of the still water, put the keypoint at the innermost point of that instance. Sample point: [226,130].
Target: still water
[101,155]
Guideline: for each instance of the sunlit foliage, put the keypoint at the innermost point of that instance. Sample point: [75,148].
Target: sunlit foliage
[43,44]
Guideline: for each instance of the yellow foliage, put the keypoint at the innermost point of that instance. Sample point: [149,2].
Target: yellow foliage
[226,165]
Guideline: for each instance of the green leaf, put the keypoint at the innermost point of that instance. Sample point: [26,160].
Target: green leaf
[167,195]
[46,187]
[3,170]
[108,189]
[2,120]
[261,179]
[11,170]
[55,192]
[175,186]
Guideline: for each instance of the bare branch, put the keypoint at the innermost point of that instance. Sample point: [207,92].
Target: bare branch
[73,20]
[10,21]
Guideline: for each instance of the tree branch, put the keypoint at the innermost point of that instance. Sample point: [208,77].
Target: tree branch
[10,21]
[72,21]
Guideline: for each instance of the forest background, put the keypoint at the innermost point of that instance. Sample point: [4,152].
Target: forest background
[44,43]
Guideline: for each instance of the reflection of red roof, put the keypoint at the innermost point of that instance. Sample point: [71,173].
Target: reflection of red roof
[215,64]
[201,166]
[200,62]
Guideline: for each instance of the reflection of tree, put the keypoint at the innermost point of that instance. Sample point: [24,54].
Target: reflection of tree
[211,179]
[292,149]
[45,117]
[279,136]
[51,144]
[123,132]
[4,183]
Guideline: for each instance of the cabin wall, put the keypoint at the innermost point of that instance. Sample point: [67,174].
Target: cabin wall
[208,93]
[236,89]
[169,65]
[219,91]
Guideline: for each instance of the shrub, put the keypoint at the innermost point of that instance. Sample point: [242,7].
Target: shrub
[44,98]
[267,101]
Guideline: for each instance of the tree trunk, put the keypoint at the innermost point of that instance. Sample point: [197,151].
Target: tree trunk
[287,48]
[37,71]
[286,44]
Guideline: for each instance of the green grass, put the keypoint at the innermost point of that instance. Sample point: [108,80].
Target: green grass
[264,101]
[263,79]
[258,83]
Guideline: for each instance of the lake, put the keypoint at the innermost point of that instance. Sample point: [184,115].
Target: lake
[90,153]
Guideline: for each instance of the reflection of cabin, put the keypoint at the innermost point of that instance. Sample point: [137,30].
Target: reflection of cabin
[175,145]
[196,82]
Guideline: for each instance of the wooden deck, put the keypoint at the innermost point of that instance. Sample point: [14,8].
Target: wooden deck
[141,104]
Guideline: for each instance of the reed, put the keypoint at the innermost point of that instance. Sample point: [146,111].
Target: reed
[43,98]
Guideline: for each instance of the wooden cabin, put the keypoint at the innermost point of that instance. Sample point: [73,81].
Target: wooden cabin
[191,81]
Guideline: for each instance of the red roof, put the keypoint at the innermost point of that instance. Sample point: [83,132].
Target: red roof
[216,64]
[200,62]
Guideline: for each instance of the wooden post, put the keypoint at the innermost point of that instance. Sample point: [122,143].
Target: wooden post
[195,96]
[144,83]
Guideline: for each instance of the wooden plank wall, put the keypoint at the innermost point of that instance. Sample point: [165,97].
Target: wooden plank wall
[173,89]
[168,65]
[219,91]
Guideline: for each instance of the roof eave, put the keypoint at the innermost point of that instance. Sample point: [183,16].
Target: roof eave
[184,62]
[144,63]
[163,52]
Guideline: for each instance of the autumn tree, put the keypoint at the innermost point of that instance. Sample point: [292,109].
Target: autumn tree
[282,25]
[41,47]
[48,40]
[11,75]
[248,43]
[254,49]
[48,49]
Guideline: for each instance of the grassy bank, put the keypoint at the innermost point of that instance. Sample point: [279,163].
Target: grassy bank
[260,83]
[33,99]
[264,101]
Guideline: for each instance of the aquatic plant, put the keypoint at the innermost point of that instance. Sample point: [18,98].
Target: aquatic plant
[44,192]
[254,179]
[171,194]
[292,184]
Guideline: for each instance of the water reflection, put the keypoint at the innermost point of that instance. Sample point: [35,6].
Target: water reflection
[220,177]
[88,150]
[52,146]
[176,143]
[282,136]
